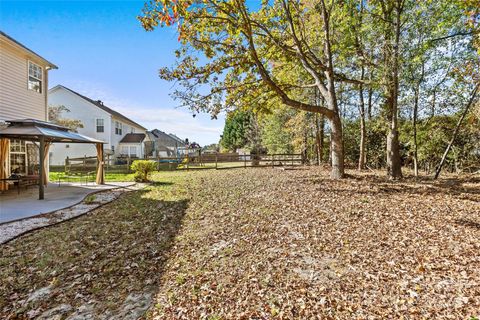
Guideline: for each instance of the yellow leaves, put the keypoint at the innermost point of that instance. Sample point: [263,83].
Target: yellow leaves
[274,311]
[54,282]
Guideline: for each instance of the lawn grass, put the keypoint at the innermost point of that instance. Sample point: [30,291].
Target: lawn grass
[262,243]
[110,177]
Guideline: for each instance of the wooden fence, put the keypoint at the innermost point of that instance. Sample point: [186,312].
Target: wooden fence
[233,160]
[80,164]
[188,162]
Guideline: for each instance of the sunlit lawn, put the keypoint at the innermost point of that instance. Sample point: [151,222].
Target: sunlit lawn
[111,177]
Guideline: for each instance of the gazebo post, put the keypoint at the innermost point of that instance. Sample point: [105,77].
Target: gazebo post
[41,186]
[100,179]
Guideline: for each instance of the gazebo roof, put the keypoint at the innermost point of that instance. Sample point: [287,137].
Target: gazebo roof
[32,130]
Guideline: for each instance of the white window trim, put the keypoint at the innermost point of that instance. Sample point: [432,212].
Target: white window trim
[96,125]
[130,151]
[123,149]
[23,153]
[28,76]
[119,128]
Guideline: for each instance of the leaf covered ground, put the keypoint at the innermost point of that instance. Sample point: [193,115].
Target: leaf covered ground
[263,244]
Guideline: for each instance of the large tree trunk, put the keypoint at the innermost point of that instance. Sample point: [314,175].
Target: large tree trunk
[337,155]
[394,165]
[338,170]
[336,136]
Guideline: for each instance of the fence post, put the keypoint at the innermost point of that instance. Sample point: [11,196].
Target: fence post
[188,159]
[273,160]
[216,161]
[67,162]
[245,161]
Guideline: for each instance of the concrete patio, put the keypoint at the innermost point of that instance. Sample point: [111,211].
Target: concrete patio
[14,205]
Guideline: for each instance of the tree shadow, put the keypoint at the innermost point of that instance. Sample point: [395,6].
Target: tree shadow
[468,223]
[160,183]
[109,261]
[408,185]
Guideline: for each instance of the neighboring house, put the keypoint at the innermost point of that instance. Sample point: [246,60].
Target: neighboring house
[23,95]
[133,145]
[166,145]
[177,139]
[123,136]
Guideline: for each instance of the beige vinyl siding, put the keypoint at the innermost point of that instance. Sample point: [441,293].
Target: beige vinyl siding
[16,101]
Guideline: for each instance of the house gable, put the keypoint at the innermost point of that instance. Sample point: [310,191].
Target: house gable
[16,99]
[82,110]
[89,111]
[99,104]
[166,139]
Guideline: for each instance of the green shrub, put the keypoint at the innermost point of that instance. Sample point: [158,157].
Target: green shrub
[142,169]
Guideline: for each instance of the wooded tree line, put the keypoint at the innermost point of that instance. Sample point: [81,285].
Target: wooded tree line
[290,131]
[382,83]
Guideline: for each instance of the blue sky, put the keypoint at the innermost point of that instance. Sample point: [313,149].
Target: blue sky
[102,52]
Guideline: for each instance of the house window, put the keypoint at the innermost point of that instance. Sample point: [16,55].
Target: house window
[124,151]
[118,128]
[17,146]
[35,73]
[113,149]
[18,157]
[133,130]
[100,125]
[133,151]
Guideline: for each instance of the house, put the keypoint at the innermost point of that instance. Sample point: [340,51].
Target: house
[166,145]
[133,145]
[23,95]
[123,136]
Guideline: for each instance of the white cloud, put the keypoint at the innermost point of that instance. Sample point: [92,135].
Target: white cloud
[175,121]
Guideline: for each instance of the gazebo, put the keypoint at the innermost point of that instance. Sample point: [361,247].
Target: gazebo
[45,133]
